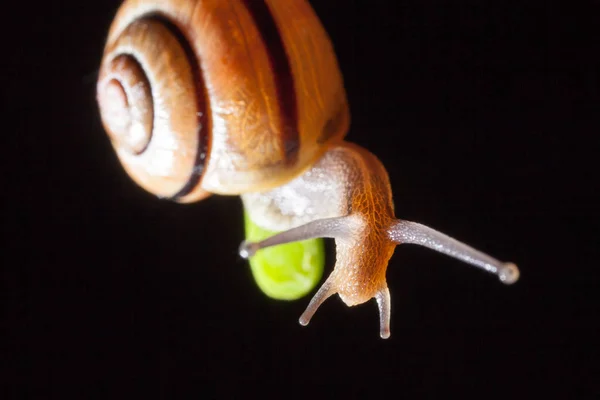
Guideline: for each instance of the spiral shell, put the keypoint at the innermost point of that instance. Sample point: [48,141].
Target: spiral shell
[211,96]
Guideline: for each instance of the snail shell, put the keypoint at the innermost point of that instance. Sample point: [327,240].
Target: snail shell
[211,96]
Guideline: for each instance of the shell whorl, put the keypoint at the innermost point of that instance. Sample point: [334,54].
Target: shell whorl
[152,106]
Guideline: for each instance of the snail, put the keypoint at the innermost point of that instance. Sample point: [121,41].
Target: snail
[245,97]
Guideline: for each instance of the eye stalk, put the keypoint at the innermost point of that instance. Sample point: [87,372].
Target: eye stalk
[287,272]
[415,233]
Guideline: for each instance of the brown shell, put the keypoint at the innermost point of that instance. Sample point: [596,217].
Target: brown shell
[251,94]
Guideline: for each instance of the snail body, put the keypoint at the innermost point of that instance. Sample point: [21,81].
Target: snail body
[246,98]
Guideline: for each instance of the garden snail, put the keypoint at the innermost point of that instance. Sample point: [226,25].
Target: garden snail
[245,97]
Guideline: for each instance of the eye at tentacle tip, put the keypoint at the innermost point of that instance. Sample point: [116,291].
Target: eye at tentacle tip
[247,249]
[304,319]
[509,273]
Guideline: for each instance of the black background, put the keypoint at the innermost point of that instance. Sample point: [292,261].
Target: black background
[486,114]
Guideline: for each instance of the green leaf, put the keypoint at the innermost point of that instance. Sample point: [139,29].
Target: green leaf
[288,271]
